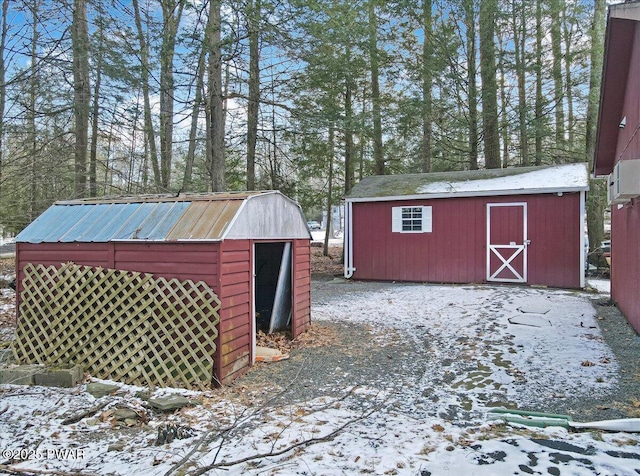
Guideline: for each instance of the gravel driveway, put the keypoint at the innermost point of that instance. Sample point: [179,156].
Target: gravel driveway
[398,365]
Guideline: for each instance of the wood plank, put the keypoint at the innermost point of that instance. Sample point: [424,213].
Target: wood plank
[235,278]
[182,256]
[231,312]
[230,321]
[235,256]
[241,332]
[233,301]
[234,289]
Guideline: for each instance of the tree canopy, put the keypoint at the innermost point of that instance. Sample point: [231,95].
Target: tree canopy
[105,97]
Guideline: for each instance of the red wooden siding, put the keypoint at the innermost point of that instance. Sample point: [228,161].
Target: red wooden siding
[301,310]
[234,346]
[226,267]
[194,261]
[554,230]
[456,250]
[625,260]
[625,221]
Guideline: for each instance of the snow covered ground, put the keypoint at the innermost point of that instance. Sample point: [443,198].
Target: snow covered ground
[318,236]
[487,346]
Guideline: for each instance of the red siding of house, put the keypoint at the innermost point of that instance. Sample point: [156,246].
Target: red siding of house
[301,287]
[456,250]
[625,221]
[625,260]
[620,98]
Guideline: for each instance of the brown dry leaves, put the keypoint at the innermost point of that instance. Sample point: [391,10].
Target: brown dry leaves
[315,336]
[327,265]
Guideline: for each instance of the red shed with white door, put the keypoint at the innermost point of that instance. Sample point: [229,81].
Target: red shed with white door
[251,248]
[520,225]
[618,152]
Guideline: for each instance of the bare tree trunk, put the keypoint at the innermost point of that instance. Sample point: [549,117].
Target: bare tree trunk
[82,94]
[171,14]
[556,72]
[195,115]
[539,118]
[216,100]
[31,113]
[470,24]
[596,198]
[253,15]
[568,60]
[349,178]
[144,77]
[488,9]
[107,166]
[378,153]
[520,34]
[427,84]
[3,93]
[504,122]
[95,113]
[327,233]
[595,74]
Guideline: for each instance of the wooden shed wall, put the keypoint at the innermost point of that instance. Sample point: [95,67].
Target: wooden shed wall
[455,252]
[235,293]
[225,266]
[301,286]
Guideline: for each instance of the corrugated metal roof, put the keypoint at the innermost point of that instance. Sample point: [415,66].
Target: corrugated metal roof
[202,221]
[156,218]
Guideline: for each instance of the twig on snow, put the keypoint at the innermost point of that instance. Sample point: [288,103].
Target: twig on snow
[211,436]
[27,472]
[79,416]
[301,444]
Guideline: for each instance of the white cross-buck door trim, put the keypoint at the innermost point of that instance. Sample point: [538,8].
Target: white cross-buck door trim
[511,263]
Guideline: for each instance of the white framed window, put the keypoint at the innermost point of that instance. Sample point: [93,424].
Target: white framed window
[411,220]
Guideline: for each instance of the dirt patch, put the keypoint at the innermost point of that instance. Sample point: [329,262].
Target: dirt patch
[7,271]
[326,266]
[7,266]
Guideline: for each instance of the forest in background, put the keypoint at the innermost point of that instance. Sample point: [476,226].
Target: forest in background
[119,97]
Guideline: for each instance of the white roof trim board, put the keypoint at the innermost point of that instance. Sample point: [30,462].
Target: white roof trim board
[515,181]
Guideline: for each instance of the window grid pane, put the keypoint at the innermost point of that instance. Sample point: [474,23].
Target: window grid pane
[412,219]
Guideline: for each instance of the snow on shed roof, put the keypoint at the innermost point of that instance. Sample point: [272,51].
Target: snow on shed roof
[470,183]
[187,217]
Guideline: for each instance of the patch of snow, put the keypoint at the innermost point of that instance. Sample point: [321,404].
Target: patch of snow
[603,286]
[469,326]
[567,176]
[318,236]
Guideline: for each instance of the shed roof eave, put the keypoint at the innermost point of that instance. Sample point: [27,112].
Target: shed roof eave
[486,193]
[621,23]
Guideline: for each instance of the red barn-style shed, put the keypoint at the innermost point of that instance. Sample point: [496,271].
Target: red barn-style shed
[519,225]
[251,248]
[618,152]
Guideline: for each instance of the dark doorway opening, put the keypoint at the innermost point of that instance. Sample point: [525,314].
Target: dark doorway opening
[272,286]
